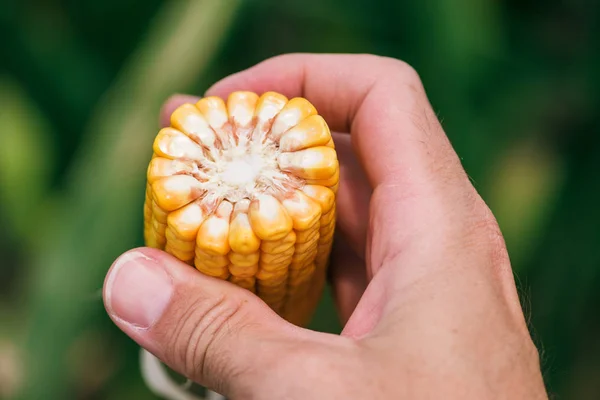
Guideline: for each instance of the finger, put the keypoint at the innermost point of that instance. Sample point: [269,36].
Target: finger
[353,197]
[348,277]
[207,329]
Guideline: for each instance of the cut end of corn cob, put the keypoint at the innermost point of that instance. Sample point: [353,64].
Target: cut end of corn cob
[244,190]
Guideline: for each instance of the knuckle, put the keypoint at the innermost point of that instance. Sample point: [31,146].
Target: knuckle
[399,77]
[293,56]
[392,65]
[194,340]
[398,68]
[445,164]
[486,222]
[484,229]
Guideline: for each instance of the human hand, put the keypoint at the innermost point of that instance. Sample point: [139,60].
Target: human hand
[420,271]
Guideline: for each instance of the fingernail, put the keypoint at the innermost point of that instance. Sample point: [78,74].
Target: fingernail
[138,290]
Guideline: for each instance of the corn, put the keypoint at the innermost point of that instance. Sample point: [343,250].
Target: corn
[245,190]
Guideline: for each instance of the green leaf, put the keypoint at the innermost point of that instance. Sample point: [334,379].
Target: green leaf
[99,215]
[26,158]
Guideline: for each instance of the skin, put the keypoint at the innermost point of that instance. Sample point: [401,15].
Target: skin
[421,276]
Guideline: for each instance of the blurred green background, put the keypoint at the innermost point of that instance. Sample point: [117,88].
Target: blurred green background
[515,83]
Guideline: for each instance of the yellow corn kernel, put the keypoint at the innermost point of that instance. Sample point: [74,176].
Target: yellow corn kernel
[277,246]
[213,235]
[214,110]
[330,182]
[173,144]
[302,248]
[186,221]
[153,238]
[189,120]
[290,115]
[174,192]
[244,282]
[322,195]
[241,106]
[243,271]
[186,256]
[242,238]
[159,214]
[281,265]
[308,235]
[163,167]
[269,258]
[313,163]
[300,276]
[177,242]
[311,132]
[244,260]
[211,260]
[158,227]
[268,217]
[244,189]
[213,265]
[268,107]
[304,211]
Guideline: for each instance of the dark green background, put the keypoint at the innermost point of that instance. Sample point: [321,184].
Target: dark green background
[515,83]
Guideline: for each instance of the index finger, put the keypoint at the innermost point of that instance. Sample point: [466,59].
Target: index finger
[379,100]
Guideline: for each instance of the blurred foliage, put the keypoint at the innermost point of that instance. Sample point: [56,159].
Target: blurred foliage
[81,84]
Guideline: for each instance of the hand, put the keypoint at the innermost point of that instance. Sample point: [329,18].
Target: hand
[436,315]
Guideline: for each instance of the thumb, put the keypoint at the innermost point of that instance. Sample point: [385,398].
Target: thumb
[209,330]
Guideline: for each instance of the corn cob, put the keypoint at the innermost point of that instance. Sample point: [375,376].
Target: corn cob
[244,190]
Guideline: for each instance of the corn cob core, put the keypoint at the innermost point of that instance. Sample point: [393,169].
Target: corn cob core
[245,190]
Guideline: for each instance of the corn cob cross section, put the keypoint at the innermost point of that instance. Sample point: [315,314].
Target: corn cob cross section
[245,190]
